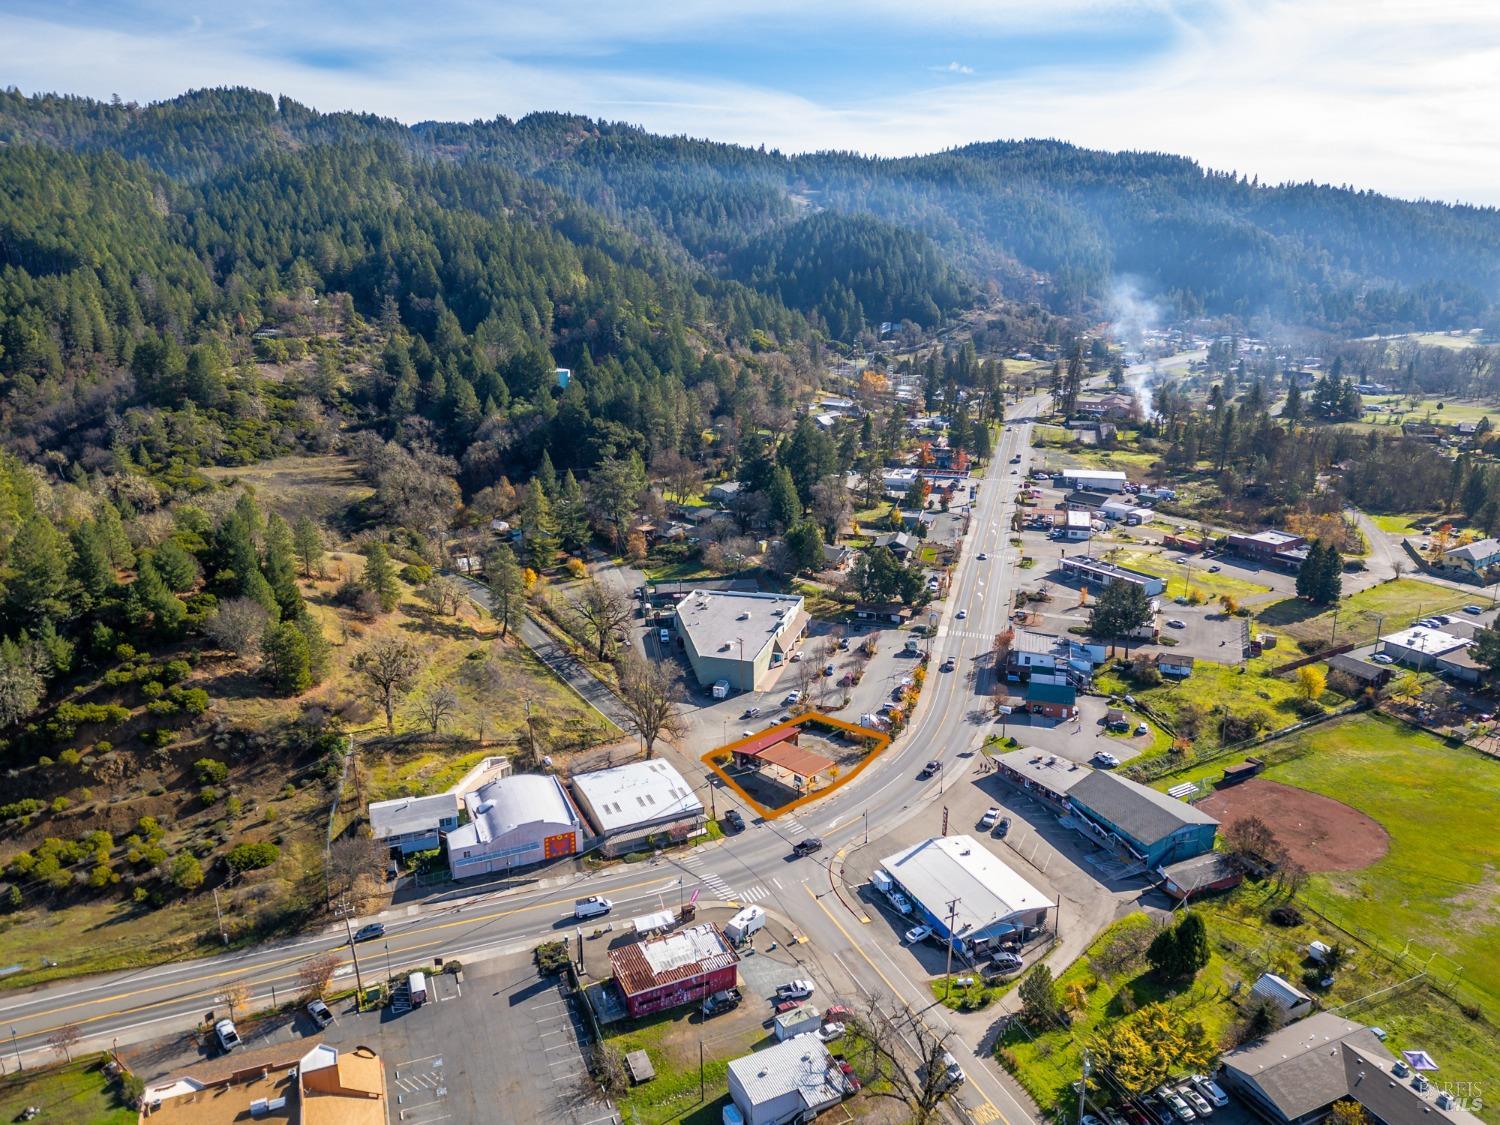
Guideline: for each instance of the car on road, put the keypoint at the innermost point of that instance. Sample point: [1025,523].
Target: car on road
[795,990]
[1382,658]
[1012,472]
[949,664]
[595,906]
[735,821]
[916,934]
[1214,569]
[1001,828]
[370,932]
[1476,610]
[750,713]
[721,1002]
[1209,1089]
[963,613]
[792,697]
[1177,623]
[929,769]
[991,814]
[808,846]
[1105,758]
[983,557]
[319,1013]
[227,1036]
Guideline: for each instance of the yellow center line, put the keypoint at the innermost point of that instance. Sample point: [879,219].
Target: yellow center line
[986,1106]
[267,965]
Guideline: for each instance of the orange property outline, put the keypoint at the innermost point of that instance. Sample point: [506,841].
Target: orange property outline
[879,742]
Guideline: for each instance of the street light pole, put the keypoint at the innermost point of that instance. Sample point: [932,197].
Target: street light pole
[948,969]
[359,996]
[15,1047]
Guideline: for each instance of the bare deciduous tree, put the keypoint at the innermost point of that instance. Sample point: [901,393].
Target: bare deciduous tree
[237,626]
[64,1039]
[920,1079]
[647,696]
[445,594]
[600,613]
[316,974]
[389,666]
[236,996]
[349,858]
[438,706]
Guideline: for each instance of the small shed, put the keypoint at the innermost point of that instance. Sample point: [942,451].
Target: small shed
[1291,1000]
[801,1019]
[638,1063]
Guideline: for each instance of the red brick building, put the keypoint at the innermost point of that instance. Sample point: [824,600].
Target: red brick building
[681,968]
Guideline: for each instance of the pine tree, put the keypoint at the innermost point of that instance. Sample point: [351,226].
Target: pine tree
[786,507]
[178,569]
[281,567]
[319,653]
[572,515]
[546,475]
[507,588]
[93,569]
[151,604]
[307,541]
[380,577]
[39,562]
[287,664]
[1310,570]
[538,527]
[112,532]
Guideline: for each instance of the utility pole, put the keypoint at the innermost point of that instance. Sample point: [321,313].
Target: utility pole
[867,826]
[223,933]
[948,969]
[359,996]
[1083,1086]
[20,1066]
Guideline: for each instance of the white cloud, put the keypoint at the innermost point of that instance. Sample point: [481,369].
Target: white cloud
[1393,95]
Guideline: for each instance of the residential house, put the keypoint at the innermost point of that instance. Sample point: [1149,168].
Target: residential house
[1173,666]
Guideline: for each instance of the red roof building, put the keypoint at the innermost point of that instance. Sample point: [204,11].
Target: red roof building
[682,968]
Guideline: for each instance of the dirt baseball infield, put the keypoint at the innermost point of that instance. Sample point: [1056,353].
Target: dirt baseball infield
[1318,832]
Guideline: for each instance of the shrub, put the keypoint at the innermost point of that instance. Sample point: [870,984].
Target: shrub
[551,957]
[61,804]
[210,794]
[70,757]
[186,872]
[210,771]
[1286,916]
[416,574]
[251,857]
[16,810]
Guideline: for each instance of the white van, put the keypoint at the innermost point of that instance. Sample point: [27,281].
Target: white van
[592,907]
[416,986]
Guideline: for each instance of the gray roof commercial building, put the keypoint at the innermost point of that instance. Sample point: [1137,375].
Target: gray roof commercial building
[737,636]
[788,1082]
[514,822]
[633,803]
[1159,829]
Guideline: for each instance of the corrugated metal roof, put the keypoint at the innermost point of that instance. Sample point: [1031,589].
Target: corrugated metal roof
[801,1064]
[948,868]
[693,952]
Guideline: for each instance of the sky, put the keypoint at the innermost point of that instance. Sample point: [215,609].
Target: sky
[1397,96]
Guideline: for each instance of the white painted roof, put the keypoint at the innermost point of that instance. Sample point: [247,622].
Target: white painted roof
[801,1064]
[944,868]
[636,793]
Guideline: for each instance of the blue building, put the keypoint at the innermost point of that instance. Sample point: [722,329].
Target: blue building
[1155,828]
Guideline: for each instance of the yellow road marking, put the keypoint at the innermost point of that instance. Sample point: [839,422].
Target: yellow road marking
[266,982]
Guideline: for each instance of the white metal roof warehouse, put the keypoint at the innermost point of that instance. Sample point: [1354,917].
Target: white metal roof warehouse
[989,899]
[639,799]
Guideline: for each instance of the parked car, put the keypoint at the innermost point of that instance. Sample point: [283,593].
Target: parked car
[1159,1111]
[664,636]
[829,1032]
[1382,658]
[1142,728]
[991,814]
[1177,623]
[808,846]
[735,821]
[916,934]
[1090,1119]
[594,906]
[795,990]
[1006,962]
[1476,610]
[1209,1089]
[851,1080]
[1105,758]
[370,932]
[951,1070]
[1193,1098]
[837,1013]
[828,669]
[1173,1101]
[319,1013]
[1214,569]
[721,1002]
[900,902]
[227,1036]
[1001,828]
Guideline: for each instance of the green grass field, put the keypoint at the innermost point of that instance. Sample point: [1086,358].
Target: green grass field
[1439,885]
[1404,409]
[1213,688]
[1386,608]
[77,1092]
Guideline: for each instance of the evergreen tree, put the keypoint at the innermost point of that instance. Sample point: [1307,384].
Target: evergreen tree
[546,475]
[319,652]
[281,567]
[538,527]
[39,566]
[507,587]
[178,569]
[380,577]
[258,590]
[805,542]
[151,605]
[785,505]
[93,569]
[572,515]
[1121,608]
[307,542]
[1039,1004]
[288,666]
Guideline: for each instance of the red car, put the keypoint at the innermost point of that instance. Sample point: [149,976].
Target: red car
[849,1076]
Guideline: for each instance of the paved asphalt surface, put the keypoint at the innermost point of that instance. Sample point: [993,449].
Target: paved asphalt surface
[949,724]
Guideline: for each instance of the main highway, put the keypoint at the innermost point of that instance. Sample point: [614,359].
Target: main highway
[948,724]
